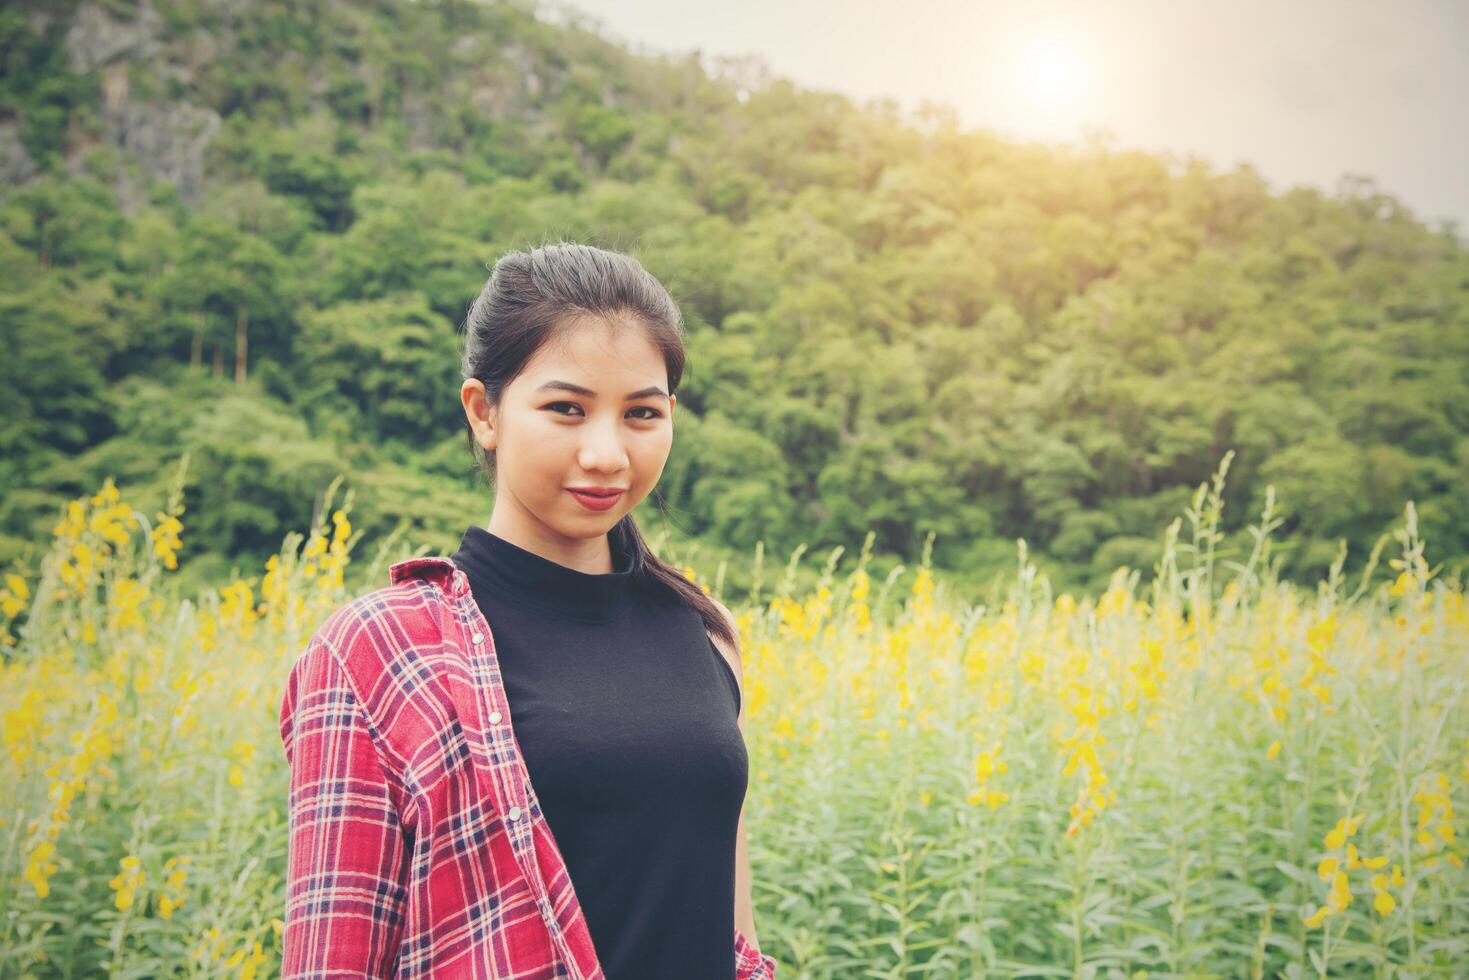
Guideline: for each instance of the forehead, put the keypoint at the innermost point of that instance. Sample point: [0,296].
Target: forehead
[592,348]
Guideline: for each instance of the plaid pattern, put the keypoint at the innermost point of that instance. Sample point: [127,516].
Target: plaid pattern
[416,845]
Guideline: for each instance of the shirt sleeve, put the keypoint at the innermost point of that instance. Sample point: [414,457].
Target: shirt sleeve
[345,873]
[750,963]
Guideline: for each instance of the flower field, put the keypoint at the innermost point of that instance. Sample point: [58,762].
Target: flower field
[1201,772]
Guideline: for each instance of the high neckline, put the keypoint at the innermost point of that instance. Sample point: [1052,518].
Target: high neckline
[494,563]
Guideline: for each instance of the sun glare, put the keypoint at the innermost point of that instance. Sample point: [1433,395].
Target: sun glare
[1053,72]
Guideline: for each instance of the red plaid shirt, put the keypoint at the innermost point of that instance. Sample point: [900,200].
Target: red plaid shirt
[417,847]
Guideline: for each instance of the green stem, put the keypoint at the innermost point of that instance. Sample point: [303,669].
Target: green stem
[1076,902]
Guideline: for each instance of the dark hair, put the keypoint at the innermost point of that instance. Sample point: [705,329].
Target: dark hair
[535,297]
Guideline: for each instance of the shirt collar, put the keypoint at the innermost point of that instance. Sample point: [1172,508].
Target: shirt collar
[437,570]
[498,567]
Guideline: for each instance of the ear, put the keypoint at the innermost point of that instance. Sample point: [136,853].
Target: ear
[479,412]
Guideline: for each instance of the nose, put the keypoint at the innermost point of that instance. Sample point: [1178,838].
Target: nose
[601,447]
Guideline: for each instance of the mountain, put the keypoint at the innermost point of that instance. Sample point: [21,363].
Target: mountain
[250,230]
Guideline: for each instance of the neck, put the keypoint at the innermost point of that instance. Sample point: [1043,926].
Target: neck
[590,555]
[500,566]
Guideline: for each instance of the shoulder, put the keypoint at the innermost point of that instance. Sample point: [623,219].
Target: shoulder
[731,653]
[377,633]
[733,627]
[389,617]
[395,652]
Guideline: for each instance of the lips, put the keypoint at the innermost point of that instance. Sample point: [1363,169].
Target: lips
[596,498]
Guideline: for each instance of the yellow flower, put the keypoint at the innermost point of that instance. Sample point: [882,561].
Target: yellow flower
[40,867]
[1337,836]
[1326,870]
[1340,895]
[127,881]
[166,540]
[1383,903]
[176,871]
[257,957]
[1403,585]
[13,597]
[1274,749]
[17,586]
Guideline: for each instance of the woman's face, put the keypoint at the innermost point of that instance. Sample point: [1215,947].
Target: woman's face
[591,409]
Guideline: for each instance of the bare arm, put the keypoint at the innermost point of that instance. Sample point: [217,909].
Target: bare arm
[744,903]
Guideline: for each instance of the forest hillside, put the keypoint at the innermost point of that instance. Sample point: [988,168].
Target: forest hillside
[249,232]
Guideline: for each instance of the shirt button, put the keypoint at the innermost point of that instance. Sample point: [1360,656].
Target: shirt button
[514,813]
[494,717]
[478,638]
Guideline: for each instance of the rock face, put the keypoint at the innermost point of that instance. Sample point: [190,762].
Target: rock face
[152,121]
[16,164]
[96,39]
[167,139]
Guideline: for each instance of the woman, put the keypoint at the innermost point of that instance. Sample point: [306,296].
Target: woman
[602,834]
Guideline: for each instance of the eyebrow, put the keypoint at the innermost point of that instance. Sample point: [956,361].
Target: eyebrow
[647,392]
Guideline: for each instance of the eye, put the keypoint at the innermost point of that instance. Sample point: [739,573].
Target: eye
[557,406]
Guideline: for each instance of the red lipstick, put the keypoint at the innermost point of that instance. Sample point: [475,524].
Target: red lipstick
[596,498]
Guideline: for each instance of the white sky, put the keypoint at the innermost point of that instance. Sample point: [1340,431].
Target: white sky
[1305,90]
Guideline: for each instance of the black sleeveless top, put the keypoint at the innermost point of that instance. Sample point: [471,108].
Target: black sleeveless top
[625,713]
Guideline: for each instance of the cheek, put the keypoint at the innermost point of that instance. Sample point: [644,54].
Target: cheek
[650,457]
[539,453]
